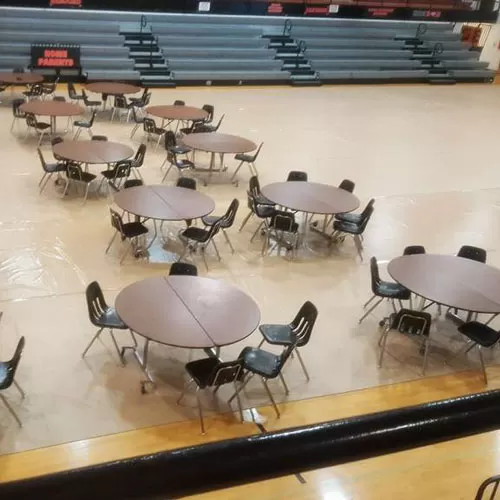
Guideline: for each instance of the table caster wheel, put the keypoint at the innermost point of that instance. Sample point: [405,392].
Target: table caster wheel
[146,386]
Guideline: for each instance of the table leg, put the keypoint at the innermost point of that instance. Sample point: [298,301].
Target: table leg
[52,126]
[213,352]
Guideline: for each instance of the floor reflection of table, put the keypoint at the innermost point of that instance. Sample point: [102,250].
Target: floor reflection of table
[164,203]
[187,311]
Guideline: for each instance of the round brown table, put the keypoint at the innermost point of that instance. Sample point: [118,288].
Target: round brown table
[112,88]
[183,113]
[20,78]
[214,142]
[168,203]
[311,197]
[93,152]
[52,109]
[450,280]
[187,311]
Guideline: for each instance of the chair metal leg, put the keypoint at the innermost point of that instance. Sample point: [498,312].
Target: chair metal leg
[426,354]
[134,130]
[301,361]
[228,240]
[359,246]
[77,133]
[382,343]
[200,411]
[271,397]
[238,399]
[370,310]
[115,344]
[284,383]
[256,231]
[86,193]
[127,250]
[366,304]
[237,169]
[11,410]
[245,220]
[184,390]
[92,341]
[204,257]
[18,387]
[480,351]
[216,249]
[111,242]
[42,187]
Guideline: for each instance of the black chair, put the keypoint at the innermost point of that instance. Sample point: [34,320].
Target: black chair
[102,138]
[8,371]
[283,229]
[151,129]
[356,218]
[186,182]
[414,250]
[183,269]
[120,103]
[82,124]
[249,160]
[266,365]
[341,228]
[138,160]
[178,102]
[90,103]
[16,112]
[41,128]
[211,372]
[75,174]
[114,176]
[226,220]
[18,70]
[206,126]
[103,316]
[141,98]
[481,336]
[33,91]
[127,230]
[197,238]
[171,146]
[347,185]
[472,253]
[255,197]
[415,324]
[210,109]
[132,183]
[296,175]
[57,140]
[383,290]
[72,93]
[49,169]
[297,333]
[138,120]
[49,88]
[180,164]
[59,98]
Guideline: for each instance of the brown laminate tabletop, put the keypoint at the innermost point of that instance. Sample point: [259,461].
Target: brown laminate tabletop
[52,108]
[450,280]
[164,202]
[20,78]
[311,197]
[93,151]
[188,311]
[171,112]
[213,142]
[112,88]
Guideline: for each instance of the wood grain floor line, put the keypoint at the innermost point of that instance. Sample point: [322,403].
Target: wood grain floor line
[227,426]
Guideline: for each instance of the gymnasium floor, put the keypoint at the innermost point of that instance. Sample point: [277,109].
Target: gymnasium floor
[428,156]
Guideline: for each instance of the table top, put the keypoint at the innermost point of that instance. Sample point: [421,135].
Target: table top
[188,311]
[20,78]
[113,88]
[52,108]
[213,142]
[311,197]
[171,112]
[93,151]
[164,202]
[450,280]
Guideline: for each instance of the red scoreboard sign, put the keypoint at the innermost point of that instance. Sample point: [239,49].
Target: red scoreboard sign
[65,3]
[55,56]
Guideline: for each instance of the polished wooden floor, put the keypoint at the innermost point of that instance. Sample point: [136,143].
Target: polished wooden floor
[448,471]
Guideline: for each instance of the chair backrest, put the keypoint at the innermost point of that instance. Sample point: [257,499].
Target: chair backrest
[183,269]
[412,322]
[414,250]
[31,120]
[122,169]
[283,358]
[170,140]
[137,119]
[71,91]
[74,171]
[347,185]
[179,103]
[303,323]
[96,304]
[116,221]
[85,97]
[149,125]
[254,185]
[210,110]
[42,159]
[229,216]
[120,101]
[16,103]
[59,98]
[186,182]
[283,221]
[132,183]
[213,230]
[102,138]
[218,124]
[365,218]
[92,118]
[56,140]
[139,156]
[226,372]
[472,253]
[296,175]
[147,98]
[254,157]
[13,363]
[375,274]
[368,208]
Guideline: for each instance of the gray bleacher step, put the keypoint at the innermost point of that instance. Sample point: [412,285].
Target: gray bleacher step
[301,82]
[148,60]
[144,53]
[293,66]
[150,67]
[157,81]
[436,80]
[288,55]
[279,45]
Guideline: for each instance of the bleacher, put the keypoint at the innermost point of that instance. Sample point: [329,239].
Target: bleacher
[194,48]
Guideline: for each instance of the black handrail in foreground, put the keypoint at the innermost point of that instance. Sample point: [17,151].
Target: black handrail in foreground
[198,469]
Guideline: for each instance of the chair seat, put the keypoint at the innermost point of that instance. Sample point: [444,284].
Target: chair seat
[181,164]
[244,157]
[110,174]
[201,370]
[347,227]
[93,103]
[195,233]
[261,362]
[210,220]
[85,177]
[277,334]
[293,228]
[134,229]
[353,218]
[110,319]
[392,291]
[265,211]
[480,333]
[42,126]
[179,149]
[81,123]
[3,375]
[55,167]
